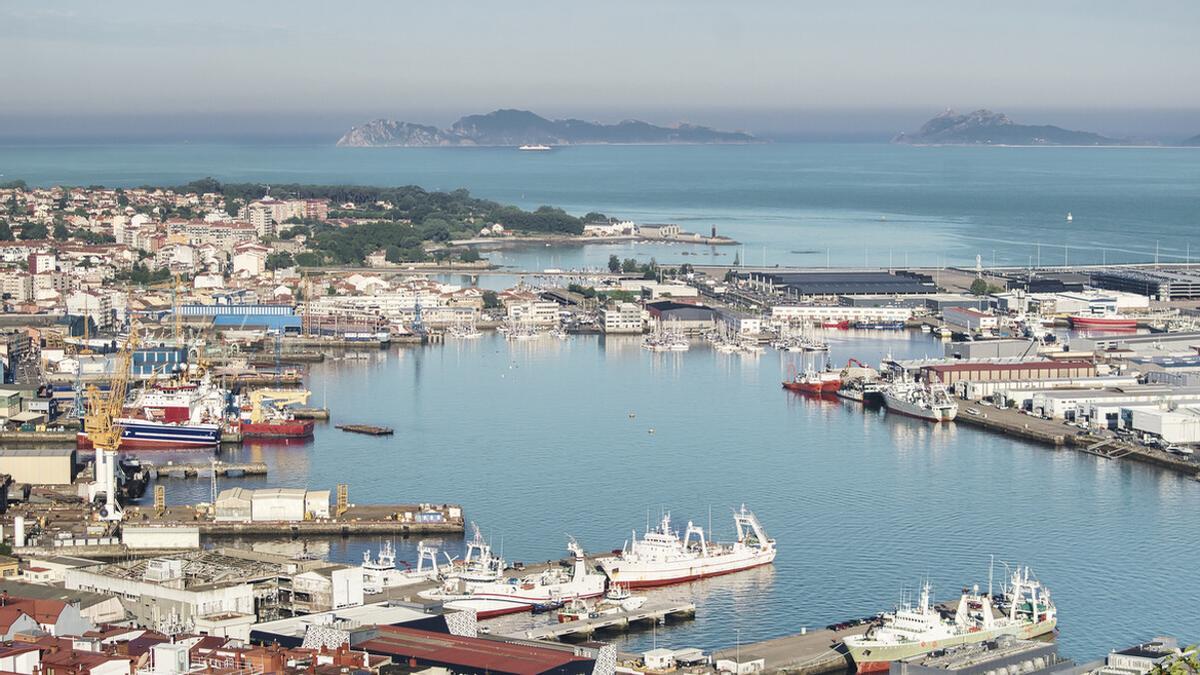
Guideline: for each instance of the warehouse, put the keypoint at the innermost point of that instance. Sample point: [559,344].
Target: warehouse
[39,466]
[291,632]
[160,537]
[832,284]
[971,319]
[1104,403]
[1180,426]
[682,317]
[1162,284]
[233,505]
[1019,392]
[994,371]
[796,314]
[992,349]
[1179,371]
[462,654]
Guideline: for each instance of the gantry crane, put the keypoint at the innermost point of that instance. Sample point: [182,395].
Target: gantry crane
[104,430]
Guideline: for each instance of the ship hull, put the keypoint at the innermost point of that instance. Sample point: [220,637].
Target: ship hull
[289,429]
[1100,322]
[823,387]
[145,435]
[645,575]
[869,658]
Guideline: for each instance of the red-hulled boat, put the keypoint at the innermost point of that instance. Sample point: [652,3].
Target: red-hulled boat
[278,428]
[815,382]
[841,325]
[1100,322]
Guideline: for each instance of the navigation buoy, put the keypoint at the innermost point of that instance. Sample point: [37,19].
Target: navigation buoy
[1070,217]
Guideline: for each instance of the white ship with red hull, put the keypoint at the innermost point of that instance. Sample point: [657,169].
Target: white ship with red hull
[661,557]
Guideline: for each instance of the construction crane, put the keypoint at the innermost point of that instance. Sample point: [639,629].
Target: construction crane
[104,430]
[175,311]
[277,397]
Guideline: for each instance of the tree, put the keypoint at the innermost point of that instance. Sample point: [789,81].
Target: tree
[6,233]
[61,232]
[280,260]
[31,231]
[470,255]
[614,264]
[490,300]
[629,266]
[595,217]
[979,287]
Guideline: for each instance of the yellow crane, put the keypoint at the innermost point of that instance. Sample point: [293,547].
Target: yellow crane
[103,429]
[277,397]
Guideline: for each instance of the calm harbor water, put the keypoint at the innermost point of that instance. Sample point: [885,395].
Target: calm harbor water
[850,204]
[535,440]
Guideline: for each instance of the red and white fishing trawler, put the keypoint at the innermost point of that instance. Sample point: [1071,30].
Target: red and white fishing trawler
[661,557]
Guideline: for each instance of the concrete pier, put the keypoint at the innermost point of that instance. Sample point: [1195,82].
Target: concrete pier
[812,653]
[202,469]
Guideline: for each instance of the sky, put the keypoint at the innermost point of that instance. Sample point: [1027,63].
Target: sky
[782,67]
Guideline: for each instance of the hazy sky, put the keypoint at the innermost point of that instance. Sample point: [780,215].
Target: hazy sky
[755,65]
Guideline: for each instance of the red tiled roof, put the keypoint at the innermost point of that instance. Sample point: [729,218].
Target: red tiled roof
[9,616]
[42,611]
[399,642]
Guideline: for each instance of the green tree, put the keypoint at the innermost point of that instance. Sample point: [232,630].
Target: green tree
[61,232]
[280,260]
[6,233]
[490,300]
[979,287]
[595,217]
[470,255]
[614,264]
[309,259]
[629,266]
[32,231]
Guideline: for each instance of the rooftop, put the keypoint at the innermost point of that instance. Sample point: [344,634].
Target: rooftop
[477,653]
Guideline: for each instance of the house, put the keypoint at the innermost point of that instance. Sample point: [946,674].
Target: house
[250,259]
[56,617]
[14,621]
[20,657]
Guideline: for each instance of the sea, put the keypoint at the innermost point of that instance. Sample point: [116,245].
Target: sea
[596,438]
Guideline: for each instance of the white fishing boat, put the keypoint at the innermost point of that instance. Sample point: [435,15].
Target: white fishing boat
[381,573]
[615,601]
[924,401]
[1024,610]
[535,147]
[521,594]
[661,557]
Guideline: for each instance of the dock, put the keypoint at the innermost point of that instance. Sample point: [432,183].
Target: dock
[648,614]
[311,413]
[201,469]
[37,438]
[809,653]
[1056,433]
[368,429]
[360,519]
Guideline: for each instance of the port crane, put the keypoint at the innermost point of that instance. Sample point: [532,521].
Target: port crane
[104,430]
[262,399]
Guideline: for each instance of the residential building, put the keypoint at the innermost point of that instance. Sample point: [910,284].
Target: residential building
[625,317]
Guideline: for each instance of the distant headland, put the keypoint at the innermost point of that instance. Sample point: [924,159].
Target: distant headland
[521,127]
[984,127]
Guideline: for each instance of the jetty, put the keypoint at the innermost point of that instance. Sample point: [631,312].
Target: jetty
[648,614]
[368,429]
[806,653]
[201,469]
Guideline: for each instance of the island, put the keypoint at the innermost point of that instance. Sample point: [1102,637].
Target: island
[984,127]
[517,128]
[1192,142]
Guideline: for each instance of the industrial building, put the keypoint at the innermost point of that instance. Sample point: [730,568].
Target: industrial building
[1003,348]
[970,319]
[357,623]
[681,317]
[230,588]
[830,284]
[1019,393]
[795,314]
[271,504]
[1131,345]
[1106,403]
[625,317]
[1000,370]
[462,654]
[39,466]
[1164,285]
[1178,371]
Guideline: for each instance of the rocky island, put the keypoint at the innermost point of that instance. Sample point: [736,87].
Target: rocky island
[984,127]
[521,127]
